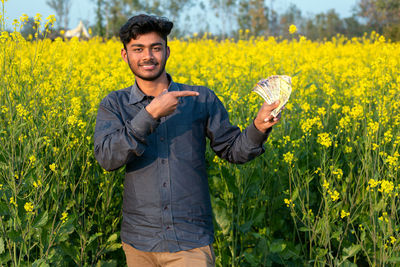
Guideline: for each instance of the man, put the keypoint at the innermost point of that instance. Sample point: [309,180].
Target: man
[157,129]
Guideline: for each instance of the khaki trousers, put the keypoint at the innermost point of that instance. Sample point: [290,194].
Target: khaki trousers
[197,257]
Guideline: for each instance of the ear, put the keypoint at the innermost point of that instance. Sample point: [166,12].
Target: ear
[124,55]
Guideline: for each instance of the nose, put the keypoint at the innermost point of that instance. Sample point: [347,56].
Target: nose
[147,54]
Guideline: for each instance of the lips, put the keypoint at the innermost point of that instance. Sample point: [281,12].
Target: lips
[148,66]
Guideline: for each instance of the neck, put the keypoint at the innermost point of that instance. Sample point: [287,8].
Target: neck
[153,88]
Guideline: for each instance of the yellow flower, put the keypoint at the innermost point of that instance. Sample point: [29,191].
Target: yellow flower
[321,111]
[28,206]
[52,167]
[324,139]
[24,18]
[334,195]
[288,157]
[289,203]
[13,202]
[393,160]
[64,217]
[373,127]
[383,217]
[335,106]
[305,106]
[386,187]
[374,146]
[292,29]
[37,184]
[38,18]
[326,184]
[344,214]
[4,109]
[32,159]
[347,149]
[372,183]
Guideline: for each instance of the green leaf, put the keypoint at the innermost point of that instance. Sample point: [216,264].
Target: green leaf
[380,206]
[252,259]
[3,209]
[40,263]
[295,194]
[15,236]
[244,228]
[362,238]
[109,263]
[113,247]
[41,219]
[1,245]
[337,234]
[347,263]
[394,259]
[3,166]
[65,173]
[112,238]
[72,251]
[222,219]
[230,182]
[93,237]
[351,251]
[277,246]
[5,259]
[260,213]
[304,229]
[213,172]
[68,227]
[321,252]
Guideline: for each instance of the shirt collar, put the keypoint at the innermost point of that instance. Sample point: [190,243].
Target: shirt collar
[137,95]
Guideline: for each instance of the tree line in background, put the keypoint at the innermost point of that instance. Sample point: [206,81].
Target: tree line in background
[254,17]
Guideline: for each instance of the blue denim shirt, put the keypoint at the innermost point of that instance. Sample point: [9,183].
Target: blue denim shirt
[166,204]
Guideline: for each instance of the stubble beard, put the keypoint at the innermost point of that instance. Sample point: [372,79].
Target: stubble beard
[151,78]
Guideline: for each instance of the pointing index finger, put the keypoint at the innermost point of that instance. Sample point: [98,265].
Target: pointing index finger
[184,93]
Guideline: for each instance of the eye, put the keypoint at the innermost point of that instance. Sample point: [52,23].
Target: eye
[137,50]
[157,48]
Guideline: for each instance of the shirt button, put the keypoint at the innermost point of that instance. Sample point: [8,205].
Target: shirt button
[161,139]
[164,184]
[168,227]
[163,161]
[166,207]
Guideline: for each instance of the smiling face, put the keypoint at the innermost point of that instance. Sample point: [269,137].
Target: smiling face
[146,56]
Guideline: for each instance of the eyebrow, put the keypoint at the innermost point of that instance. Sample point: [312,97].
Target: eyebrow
[141,45]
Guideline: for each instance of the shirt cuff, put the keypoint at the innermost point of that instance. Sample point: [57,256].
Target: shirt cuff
[256,136]
[143,124]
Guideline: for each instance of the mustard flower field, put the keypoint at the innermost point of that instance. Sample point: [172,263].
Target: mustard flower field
[325,193]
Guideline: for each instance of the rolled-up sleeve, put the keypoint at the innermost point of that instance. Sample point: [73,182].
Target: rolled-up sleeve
[227,141]
[117,141]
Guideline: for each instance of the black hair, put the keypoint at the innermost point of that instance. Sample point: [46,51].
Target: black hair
[142,24]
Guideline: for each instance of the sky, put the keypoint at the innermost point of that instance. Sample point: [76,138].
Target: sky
[84,9]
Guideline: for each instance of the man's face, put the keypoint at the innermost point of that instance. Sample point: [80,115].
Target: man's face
[146,56]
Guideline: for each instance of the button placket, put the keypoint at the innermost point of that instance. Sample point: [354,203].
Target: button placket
[165,182]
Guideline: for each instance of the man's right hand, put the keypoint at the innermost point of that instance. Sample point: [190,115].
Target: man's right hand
[166,103]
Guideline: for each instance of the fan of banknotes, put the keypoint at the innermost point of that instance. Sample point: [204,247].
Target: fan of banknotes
[276,87]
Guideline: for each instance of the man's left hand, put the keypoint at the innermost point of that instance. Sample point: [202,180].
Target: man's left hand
[264,119]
